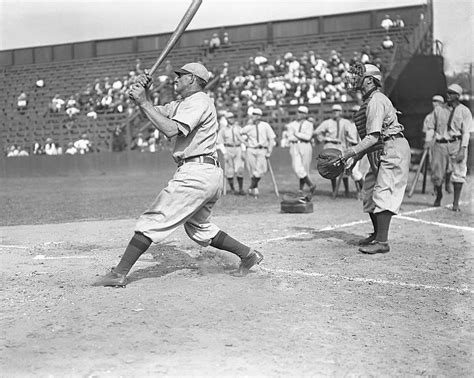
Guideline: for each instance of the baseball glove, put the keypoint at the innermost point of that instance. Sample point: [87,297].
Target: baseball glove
[330,164]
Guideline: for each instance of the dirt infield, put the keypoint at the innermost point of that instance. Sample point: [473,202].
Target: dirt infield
[315,307]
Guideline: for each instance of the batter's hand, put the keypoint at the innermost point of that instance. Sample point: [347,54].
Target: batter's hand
[138,94]
[144,79]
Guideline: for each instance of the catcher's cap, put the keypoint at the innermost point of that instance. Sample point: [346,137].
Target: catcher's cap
[438,98]
[337,107]
[455,88]
[196,69]
[371,70]
[257,111]
[355,108]
[303,109]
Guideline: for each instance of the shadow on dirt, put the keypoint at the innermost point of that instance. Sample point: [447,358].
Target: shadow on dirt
[169,259]
[347,237]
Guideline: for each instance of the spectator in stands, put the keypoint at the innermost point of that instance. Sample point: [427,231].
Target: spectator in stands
[39,83]
[386,23]
[106,102]
[225,39]
[140,143]
[37,149]
[118,140]
[50,147]
[398,22]
[387,43]
[71,107]
[152,144]
[117,84]
[83,145]
[366,54]
[138,66]
[22,151]
[71,149]
[214,42]
[13,151]
[22,102]
[91,114]
[260,60]
[57,104]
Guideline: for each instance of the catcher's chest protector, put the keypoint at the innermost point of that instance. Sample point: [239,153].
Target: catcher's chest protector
[360,120]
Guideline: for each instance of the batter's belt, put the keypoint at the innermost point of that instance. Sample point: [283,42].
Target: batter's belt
[200,159]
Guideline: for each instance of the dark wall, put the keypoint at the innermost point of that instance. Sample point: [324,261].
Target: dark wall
[422,78]
[106,163]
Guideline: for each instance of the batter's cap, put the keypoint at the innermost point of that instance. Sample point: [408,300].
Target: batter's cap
[456,88]
[196,69]
[371,70]
[257,111]
[438,98]
[337,107]
[303,109]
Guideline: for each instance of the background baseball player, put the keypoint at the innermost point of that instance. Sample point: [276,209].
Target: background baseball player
[229,141]
[388,152]
[259,139]
[448,133]
[335,132]
[300,133]
[191,194]
[436,100]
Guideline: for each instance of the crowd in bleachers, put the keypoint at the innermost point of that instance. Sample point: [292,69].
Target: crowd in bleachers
[264,81]
[286,80]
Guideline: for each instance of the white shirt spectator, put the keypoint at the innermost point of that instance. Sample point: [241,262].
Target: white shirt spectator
[83,145]
[386,23]
[50,147]
[71,150]
[57,103]
[91,114]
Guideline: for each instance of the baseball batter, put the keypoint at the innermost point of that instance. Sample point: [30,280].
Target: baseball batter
[336,132]
[448,133]
[299,134]
[259,139]
[190,195]
[388,152]
[229,141]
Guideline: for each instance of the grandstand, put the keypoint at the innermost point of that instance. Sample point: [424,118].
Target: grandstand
[69,69]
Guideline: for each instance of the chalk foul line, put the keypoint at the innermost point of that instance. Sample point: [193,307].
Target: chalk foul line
[369,280]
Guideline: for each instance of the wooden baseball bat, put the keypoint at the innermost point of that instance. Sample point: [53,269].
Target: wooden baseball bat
[418,172]
[275,186]
[183,24]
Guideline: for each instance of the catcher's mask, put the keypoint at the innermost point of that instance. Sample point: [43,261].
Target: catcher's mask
[357,72]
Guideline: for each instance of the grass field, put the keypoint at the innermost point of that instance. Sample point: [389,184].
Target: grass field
[314,307]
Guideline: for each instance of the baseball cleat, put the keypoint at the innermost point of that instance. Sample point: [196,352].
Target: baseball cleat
[112,279]
[375,247]
[253,258]
[368,239]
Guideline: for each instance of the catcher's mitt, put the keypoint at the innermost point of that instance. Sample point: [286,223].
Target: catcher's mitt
[330,164]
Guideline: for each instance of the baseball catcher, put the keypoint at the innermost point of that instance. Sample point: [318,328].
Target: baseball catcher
[330,165]
[388,152]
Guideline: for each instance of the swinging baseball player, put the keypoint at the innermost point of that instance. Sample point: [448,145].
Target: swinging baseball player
[190,195]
